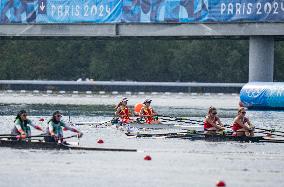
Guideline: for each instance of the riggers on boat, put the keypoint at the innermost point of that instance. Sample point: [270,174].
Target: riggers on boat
[37,144]
[140,124]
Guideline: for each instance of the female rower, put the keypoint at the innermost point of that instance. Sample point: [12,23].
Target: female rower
[148,113]
[212,123]
[22,124]
[54,128]
[123,112]
[242,125]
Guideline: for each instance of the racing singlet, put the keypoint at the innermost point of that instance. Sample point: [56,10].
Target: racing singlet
[148,111]
[236,126]
[124,114]
[208,125]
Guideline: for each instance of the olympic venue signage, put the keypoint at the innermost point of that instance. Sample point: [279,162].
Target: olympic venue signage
[139,11]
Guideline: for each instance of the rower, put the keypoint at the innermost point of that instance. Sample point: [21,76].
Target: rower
[148,113]
[22,124]
[242,125]
[212,123]
[123,112]
[54,129]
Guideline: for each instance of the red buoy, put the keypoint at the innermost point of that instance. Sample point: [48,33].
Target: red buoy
[100,141]
[220,184]
[41,119]
[147,157]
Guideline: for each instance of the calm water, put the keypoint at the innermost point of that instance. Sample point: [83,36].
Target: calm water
[174,162]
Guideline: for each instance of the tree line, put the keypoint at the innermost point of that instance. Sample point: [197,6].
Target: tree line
[135,59]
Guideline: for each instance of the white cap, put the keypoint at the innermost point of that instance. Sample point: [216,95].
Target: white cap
[147,101]
[124,99]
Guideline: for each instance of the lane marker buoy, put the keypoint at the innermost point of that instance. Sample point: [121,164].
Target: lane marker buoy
[147,157]
[220,184]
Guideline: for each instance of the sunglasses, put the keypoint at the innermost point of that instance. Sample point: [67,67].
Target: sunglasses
[243,112]
[59,116]
[24,115]
[214,113]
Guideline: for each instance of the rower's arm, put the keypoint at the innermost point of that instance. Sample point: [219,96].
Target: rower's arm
[117,112]
[129,113]
[18,126]
[251,126]
[35,126]
[141,113]
[154,113]
[220,123]
[70,128]
[50,129]
[213,124]
[242,124]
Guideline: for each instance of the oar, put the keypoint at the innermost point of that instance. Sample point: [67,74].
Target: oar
[92,123]
[270,130]
[68,137]
[177,118]
[18,136]
[272,141]
[5,135]
[180,119]
[268,133]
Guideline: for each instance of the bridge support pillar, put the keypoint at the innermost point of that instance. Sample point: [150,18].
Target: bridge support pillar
[261,58]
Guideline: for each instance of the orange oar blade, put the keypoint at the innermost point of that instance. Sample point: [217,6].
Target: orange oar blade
[138,107]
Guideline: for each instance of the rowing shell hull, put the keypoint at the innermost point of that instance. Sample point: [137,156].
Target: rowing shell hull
[50,145]
[221,138]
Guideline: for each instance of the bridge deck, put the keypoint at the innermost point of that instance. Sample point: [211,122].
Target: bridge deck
[146,30]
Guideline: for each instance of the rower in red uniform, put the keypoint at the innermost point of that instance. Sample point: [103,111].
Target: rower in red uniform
[242,125]
[123,112]
[212,123]
[148,113]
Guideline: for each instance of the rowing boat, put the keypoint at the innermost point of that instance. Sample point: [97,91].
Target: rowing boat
[56,146]
[223,138]
[212,138]
[227,138]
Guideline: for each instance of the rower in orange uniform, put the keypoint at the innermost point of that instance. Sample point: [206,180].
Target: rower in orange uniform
[123,112]
[242,125]
[148,113]
[212,123]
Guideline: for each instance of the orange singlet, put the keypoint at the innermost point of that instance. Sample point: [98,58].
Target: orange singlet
[148,111]
[124,115]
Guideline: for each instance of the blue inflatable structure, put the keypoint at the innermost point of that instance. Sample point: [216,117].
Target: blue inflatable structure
[263,95]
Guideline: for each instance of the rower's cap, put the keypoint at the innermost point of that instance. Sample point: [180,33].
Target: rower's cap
[124,99]
[147,101]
